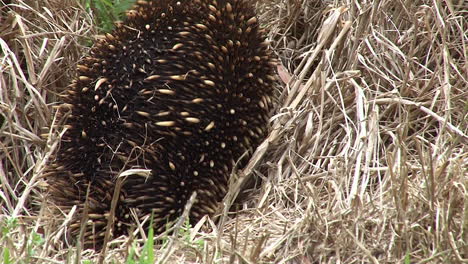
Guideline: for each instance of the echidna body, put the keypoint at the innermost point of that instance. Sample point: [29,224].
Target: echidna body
[182,88]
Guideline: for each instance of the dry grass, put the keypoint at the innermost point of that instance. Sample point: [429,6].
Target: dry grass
[366,161]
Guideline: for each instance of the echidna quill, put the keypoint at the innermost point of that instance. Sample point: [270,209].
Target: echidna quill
[182,88]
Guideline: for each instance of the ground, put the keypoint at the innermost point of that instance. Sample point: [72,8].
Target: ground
[366,160]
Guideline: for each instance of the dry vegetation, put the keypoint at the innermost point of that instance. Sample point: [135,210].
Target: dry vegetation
[366,162]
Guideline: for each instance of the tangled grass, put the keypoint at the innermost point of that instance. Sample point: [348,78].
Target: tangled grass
[366,161]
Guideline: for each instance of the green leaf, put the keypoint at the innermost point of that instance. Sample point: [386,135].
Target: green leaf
[407,258]
[6,255]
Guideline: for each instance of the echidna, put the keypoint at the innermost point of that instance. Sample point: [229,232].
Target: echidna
[182,88]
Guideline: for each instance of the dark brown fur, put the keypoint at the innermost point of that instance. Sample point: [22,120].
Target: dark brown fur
[181,88]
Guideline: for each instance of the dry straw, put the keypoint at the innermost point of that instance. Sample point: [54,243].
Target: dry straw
[367,157]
